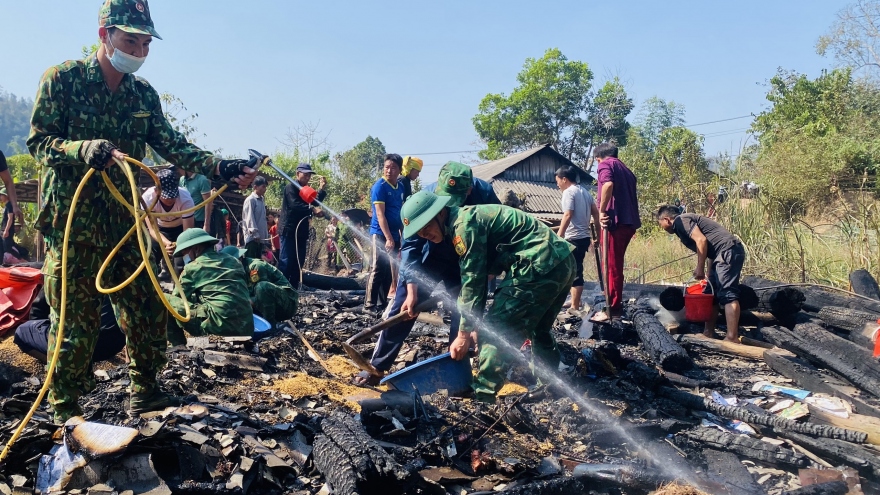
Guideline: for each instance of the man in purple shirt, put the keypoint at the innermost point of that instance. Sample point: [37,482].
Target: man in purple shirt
[619,216]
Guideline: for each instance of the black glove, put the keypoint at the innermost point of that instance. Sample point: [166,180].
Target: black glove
[230,169]
[97,152]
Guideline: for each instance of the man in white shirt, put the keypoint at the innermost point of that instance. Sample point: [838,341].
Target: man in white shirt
[255,228]
[172,198]
[577,208]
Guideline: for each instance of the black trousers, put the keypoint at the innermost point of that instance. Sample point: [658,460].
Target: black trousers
[292,257]
[581,246]
[254,249]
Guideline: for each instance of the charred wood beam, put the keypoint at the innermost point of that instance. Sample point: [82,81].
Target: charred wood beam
[851,321]
[623,475]
[817,298]
[782,302]
[809,378]
[829,488]
[822,347]
[864,284]
[327,282]
[696,402]
[353,463]
[661,346]
[747,446]
[560,486]
[857,457]
[650,378]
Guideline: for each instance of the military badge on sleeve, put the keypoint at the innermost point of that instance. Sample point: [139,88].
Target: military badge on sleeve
[255,276]
[460,248]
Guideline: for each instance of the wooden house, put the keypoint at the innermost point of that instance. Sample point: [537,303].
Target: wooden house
[531,175]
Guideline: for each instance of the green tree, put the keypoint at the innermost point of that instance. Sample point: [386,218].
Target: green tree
[818,136]
[657,115]
[554,103]
[355,171]
[87,50]
[23,167]
[304,143]
[15,122]
[815,107]
[667,159]
[854,38]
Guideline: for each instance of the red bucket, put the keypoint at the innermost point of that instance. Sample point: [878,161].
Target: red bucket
[699,307]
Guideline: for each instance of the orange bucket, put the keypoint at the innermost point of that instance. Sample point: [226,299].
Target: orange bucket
[699,307]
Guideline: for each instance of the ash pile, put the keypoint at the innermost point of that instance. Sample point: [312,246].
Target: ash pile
[649,411]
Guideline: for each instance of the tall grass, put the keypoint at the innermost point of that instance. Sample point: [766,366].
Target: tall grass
[820,245]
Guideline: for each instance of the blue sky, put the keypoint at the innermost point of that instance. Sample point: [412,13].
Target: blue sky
[412,73]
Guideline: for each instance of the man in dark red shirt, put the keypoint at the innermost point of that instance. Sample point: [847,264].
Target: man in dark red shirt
[619,216]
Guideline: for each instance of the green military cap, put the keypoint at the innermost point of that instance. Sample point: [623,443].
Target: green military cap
[3,191]
[454,180]
[234,251]
[131,16]
[191,237]
[419,209]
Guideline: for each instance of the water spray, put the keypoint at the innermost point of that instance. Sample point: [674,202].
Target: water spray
[546,375]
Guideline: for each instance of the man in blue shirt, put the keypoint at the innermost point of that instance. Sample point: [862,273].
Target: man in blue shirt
[387,199]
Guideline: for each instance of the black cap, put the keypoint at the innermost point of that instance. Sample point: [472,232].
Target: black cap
[305,168]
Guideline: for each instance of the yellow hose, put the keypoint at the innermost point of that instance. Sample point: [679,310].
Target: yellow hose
[148,215]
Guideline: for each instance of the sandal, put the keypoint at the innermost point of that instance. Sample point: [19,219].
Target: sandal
[365,379]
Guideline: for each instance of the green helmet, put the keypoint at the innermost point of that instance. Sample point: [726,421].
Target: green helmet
[191,237]
[454,180]
[233,251]
[131,16]
[419,209]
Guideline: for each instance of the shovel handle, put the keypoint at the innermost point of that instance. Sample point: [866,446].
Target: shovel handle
[390,322]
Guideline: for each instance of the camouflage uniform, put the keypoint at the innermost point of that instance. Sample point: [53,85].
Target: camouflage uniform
[218,298]
[491,239]
[74,105]
[271,294]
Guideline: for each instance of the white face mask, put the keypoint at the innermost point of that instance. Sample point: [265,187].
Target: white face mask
[123,62]
[186,259]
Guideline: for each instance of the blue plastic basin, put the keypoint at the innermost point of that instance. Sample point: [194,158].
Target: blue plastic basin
[261,325]
[431,375]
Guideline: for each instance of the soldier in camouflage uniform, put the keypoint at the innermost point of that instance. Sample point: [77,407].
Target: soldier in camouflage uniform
[424,265]
[490,239]
[272,296]
[86,113]
[213,285]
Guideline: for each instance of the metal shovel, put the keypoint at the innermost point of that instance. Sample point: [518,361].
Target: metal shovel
[364,363]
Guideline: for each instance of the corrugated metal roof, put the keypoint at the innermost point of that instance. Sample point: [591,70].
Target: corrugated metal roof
[541,197]
[551,218]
